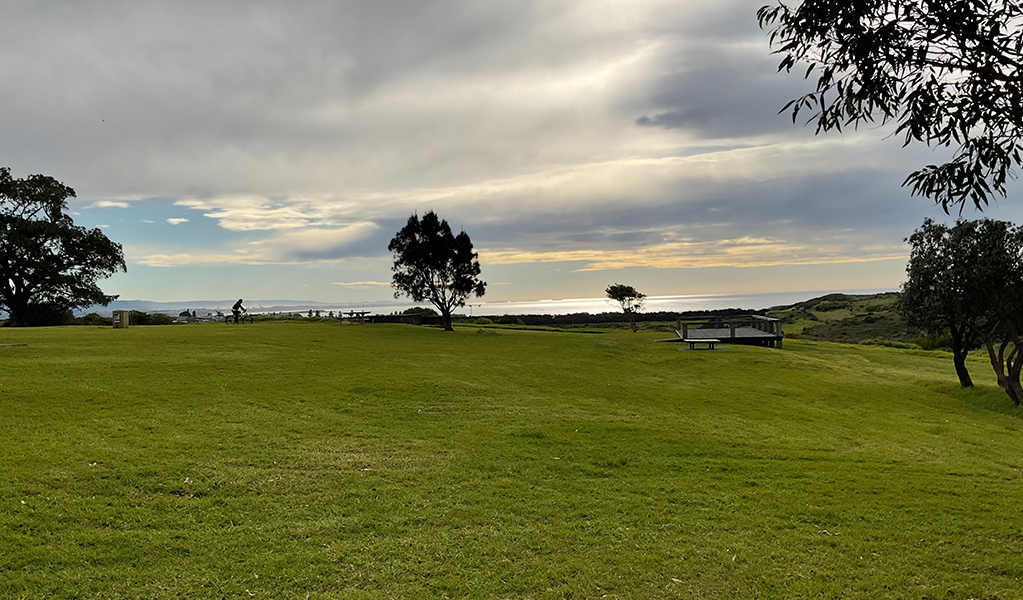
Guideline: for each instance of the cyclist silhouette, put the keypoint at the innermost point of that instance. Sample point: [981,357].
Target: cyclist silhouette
[237,310]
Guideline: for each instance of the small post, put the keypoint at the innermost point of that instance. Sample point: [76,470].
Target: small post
[731,326]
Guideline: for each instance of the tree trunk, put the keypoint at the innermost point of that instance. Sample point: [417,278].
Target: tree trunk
[1015,389]
[447,319]
[18,316]
[632,322]
[959,358]
[959,353]
[1008,381]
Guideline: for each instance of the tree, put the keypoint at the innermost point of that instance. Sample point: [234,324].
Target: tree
[420,310]
[972,275]
[936,295]
[431,264]
[629,299]
[996,251]
[48,265]
[946,72]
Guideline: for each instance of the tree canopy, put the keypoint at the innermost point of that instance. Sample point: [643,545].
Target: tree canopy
[432,264]
[968,278]
[48,265]
[937,296]
[946,72]
[628,298]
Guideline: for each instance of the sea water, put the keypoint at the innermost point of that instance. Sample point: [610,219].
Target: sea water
[587,305]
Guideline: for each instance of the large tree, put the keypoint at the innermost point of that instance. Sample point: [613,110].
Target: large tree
[629,299]
[946,72]
[48,265]
[937,295]
[971,275]
[996,254]
[432,264]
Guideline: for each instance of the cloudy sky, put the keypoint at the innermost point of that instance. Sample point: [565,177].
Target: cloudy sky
[271,150]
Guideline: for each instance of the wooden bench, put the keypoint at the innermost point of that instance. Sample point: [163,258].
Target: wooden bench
[693,341]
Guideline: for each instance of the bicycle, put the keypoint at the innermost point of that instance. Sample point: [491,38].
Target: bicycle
[244,319]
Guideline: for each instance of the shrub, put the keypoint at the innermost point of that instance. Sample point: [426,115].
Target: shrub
[829,305]
[95,319]
[484,321]
[419,310]
[880,341]
[137,317]
[934,342]
[510,320]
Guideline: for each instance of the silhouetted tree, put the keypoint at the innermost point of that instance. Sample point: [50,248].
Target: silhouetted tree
[48,265]
[980,288]
[947,72]
[432,264]
[937,295]
[629,299]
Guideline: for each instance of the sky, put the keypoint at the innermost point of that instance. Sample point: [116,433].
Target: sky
[271,150]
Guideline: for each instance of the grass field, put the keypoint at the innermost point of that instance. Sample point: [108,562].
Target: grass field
[311,460]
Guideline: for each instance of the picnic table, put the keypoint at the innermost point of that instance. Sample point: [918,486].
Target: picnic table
[693,341]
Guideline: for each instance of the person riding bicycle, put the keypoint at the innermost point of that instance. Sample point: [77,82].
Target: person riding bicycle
[237,310]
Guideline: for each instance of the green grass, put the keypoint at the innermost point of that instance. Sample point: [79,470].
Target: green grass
[310,460]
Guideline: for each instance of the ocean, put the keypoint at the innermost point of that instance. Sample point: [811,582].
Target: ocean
[653,303]
[579,305]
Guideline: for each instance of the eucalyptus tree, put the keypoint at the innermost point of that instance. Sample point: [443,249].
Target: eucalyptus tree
[969,279]
[936,296]
[945,72]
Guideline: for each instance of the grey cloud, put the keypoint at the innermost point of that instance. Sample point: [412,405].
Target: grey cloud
[729,93]
[715,76]
[846,209]
[192,99]
[375,108]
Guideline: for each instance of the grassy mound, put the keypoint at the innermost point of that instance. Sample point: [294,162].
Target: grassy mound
[295,460]
[846,318]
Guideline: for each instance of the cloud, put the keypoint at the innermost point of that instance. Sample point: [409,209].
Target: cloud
[670,211]
[363,284]
[177,221]
[290,247]
[743,252]
[607,134]
[109,204]
[251,213]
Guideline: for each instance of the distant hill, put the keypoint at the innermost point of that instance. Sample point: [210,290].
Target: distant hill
[846,318]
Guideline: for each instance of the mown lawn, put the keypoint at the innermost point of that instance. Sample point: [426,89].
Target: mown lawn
[311,460]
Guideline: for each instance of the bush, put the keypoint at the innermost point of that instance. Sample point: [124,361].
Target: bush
[418,310]
[934,342]
[510,320]
[137,317]
[829,305]
[94,319]
[889,344]
[484,321]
